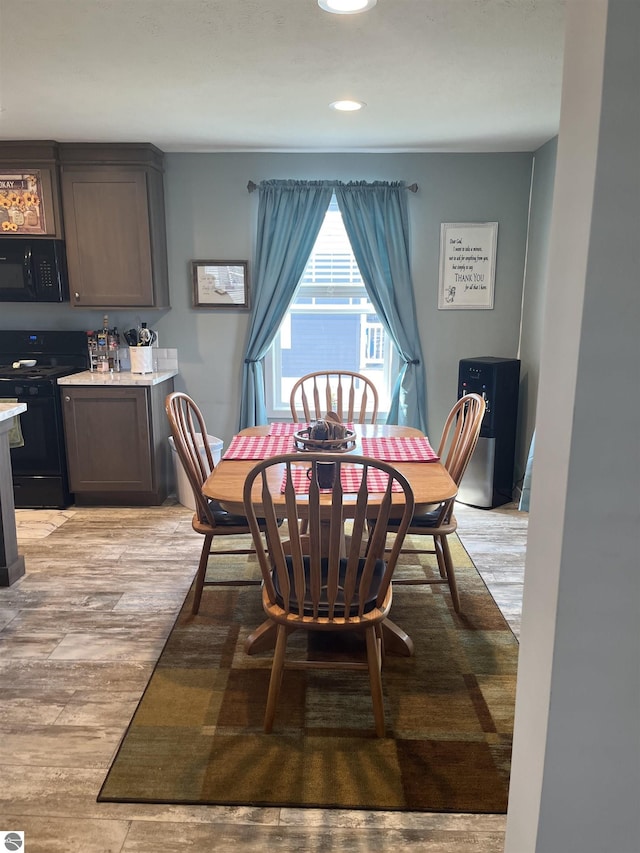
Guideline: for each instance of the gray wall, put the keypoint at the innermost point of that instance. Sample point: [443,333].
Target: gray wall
[210,215]
[533,298]
[575,776]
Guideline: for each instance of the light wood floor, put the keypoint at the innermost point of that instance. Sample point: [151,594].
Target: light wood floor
[79,635]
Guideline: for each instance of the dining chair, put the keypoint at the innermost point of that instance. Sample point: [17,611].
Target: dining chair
[210,519]
[344,392]
[320,581]
[459,438]
[352,396]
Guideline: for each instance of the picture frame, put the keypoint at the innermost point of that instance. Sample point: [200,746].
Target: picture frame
[220,284]
[467,265]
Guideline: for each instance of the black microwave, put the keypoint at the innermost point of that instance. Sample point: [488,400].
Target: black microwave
[33,270]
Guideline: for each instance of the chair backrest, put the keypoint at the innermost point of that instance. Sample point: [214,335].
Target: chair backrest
[352,396]
[190,437]
[326,582]
[460,435]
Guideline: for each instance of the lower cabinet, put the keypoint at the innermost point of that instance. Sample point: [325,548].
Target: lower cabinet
[117,444]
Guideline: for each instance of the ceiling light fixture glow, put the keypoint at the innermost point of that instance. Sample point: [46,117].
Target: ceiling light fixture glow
[346,7]
[347,106]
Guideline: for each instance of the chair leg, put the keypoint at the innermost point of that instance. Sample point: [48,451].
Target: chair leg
[367,545]
[442,549]
[202,571]
[277,669]
[442,566]
[380,636]
[375,678]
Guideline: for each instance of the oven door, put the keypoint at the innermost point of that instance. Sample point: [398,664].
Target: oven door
[41,451]
[16,272]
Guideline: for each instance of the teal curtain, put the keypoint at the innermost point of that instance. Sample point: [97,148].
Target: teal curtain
[376,221]
[290,215]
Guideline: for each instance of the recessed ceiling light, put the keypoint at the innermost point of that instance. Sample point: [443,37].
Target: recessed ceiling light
[347,106]
[346,7]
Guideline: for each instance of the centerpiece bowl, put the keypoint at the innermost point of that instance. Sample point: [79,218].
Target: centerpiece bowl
[303,441]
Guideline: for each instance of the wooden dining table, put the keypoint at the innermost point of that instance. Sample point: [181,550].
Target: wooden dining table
[429,480]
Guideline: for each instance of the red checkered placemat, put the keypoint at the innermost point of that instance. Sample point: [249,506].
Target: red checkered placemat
[258,446]
[399,449]
[350,477]
[285,429]
[289,429]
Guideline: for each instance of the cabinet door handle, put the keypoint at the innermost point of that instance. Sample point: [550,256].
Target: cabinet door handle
[67,399]
[77,295]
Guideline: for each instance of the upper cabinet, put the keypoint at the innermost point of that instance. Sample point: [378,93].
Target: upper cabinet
[30,190]
[113,206]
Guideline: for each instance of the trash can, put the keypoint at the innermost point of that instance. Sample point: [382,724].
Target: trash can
[184,493]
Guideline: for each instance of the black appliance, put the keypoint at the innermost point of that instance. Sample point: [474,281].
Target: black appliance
[33,270]
[488,480]
[40,465]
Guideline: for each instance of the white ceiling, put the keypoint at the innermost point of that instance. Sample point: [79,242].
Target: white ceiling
[257,75]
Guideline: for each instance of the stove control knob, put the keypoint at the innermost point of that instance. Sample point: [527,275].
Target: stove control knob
[18,390]
[33,391]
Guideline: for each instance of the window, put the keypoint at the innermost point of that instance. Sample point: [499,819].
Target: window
[330,324]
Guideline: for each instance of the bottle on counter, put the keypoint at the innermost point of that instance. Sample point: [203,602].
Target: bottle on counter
[92,346]
[102,365]
[113,348]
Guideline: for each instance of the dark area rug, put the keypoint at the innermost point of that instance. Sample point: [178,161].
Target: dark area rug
[196,736]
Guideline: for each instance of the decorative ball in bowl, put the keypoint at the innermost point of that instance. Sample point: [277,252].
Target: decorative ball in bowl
[325,435]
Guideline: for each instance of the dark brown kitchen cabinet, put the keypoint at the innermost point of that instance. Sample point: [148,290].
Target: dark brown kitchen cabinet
[117,440]
[113,205]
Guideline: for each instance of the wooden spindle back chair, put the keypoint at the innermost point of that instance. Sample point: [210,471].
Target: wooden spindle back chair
[320,581]
[189,433]
[458,441]
[352,396]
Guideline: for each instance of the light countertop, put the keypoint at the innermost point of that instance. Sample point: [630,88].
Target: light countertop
[10,410]
[125,377]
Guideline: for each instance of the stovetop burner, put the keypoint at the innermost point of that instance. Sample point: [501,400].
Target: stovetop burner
[7,371]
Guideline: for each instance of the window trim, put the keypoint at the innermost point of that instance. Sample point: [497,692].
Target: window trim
[273,367]
[273,361]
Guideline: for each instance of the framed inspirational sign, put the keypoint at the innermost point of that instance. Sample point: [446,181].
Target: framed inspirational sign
[467,264]
[220,284]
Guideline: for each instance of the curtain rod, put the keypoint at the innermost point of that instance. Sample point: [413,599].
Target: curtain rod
[251,187]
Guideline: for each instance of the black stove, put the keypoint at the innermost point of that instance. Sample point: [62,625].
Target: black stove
[19,374]
[39,462]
